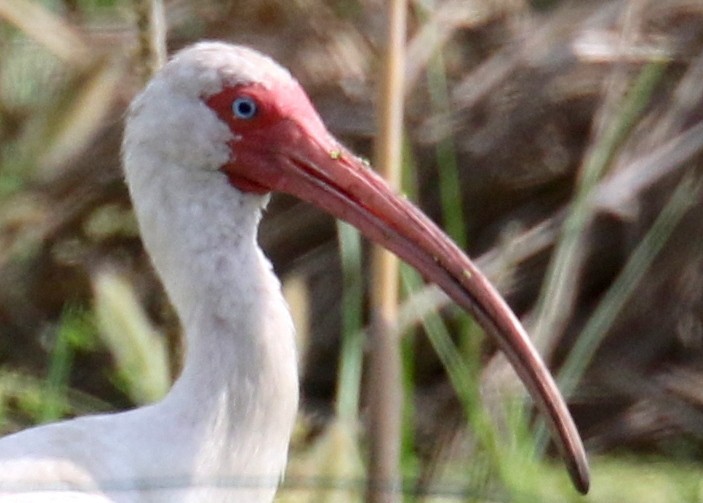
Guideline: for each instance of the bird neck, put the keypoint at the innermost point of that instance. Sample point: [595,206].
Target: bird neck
[237,393]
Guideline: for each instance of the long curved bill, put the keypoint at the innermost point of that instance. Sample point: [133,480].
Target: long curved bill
[315,168]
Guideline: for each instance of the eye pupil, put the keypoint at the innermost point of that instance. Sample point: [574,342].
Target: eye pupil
[244,108]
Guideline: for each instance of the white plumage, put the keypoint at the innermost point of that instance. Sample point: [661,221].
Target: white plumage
[228,418]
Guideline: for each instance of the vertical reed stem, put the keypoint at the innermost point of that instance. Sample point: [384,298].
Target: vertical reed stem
[151,29]
[385,363]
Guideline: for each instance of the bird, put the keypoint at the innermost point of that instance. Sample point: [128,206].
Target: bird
[216,130]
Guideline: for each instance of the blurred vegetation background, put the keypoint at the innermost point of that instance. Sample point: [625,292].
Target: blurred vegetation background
[560,142]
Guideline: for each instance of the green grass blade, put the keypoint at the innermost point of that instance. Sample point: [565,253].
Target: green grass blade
[351,352]
[445,154]
[76,329]
[464,375]
[624,285]
[553,306]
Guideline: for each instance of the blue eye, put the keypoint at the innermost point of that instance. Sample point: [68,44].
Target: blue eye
[244,107]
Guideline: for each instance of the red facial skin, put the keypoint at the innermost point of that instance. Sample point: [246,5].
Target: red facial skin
[277,126]
[285,147]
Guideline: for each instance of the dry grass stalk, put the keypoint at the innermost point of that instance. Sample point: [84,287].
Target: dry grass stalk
[385,367]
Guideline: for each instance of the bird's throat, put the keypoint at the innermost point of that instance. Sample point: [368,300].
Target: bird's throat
[239,381]
[245,184]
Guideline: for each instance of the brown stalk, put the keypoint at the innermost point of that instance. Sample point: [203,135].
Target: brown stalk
[386,394]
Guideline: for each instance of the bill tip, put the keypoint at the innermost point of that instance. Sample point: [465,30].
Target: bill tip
[580,476]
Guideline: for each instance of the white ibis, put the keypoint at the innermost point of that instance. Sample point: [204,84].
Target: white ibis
[214,132]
